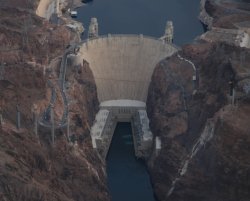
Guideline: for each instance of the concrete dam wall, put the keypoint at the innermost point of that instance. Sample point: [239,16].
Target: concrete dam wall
[122,65]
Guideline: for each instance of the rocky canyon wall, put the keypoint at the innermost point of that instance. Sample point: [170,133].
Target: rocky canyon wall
[205,138]
[31,168]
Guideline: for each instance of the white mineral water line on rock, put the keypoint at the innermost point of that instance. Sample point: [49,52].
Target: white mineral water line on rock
[205,137]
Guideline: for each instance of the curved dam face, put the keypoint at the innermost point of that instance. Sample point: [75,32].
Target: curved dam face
[122,65]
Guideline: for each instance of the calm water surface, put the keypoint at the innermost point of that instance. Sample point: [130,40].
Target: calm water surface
[144,17]
[128,179]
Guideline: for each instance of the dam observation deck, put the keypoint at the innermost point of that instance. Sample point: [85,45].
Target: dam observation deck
[122,66]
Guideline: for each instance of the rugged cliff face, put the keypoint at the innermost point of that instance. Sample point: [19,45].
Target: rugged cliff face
[31,168]
[205,139]
[226,14]
[200,131]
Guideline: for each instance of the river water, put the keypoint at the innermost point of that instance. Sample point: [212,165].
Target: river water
[144,17]
[128,179]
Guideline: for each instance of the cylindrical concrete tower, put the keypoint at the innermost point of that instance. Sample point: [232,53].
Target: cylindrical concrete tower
[169,32]
[93,28]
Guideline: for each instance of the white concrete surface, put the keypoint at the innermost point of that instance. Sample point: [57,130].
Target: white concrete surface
[122,65]
[144,121]
[158,143]
[105,122]
[99,124]
[244,40]
[47,7]
[123,103]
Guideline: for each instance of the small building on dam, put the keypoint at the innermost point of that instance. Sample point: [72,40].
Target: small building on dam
[122,67]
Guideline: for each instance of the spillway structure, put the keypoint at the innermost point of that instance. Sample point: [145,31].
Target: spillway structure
[122,67]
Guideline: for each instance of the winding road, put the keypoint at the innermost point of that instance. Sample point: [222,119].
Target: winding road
[45,120]
[195,75]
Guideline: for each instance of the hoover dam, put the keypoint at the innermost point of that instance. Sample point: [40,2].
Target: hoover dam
[122,67]
[179,133]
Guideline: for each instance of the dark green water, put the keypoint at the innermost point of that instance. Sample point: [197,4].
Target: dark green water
[128,179]
[144,17]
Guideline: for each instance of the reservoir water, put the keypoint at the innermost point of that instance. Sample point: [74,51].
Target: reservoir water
[128,179]
[144,17]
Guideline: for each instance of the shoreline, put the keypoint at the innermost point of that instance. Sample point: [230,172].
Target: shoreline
[46,8]
[235,35]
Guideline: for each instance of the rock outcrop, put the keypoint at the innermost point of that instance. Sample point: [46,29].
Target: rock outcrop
[195,162]
[205,138]
[204,17]
[31,168]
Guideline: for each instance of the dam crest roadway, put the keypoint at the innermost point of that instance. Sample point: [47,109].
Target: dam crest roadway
[122,66]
